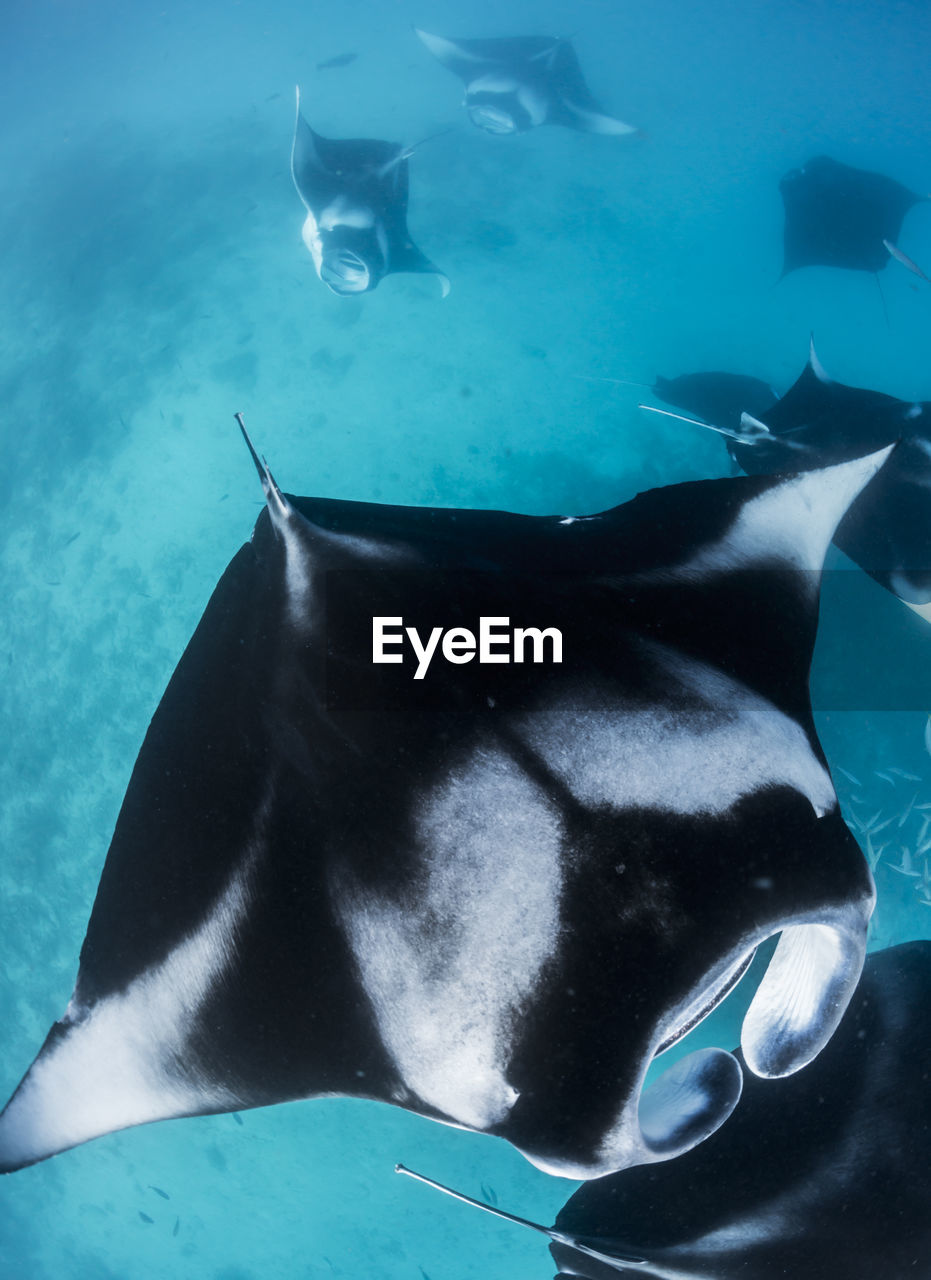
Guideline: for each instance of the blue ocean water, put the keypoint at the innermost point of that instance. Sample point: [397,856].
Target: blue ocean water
[154,282]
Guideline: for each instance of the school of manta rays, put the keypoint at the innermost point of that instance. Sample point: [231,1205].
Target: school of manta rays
[498,903]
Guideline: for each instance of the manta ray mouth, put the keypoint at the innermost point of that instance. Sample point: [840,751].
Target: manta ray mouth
[487,112]
[345,272]
[493,119]
[793,1014]
[706,1002]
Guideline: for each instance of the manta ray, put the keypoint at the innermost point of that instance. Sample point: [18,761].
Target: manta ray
[386,838]
[718,399]
[516,83]
[355,193]
[839,216]
[820,421]
[825,1173]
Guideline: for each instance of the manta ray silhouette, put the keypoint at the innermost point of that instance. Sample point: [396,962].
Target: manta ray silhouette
[822,1174]
[839,216]
[516,83]
[355,192]
[718,399]
[492,895]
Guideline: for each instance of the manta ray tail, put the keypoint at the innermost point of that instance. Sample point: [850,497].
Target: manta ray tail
[882,298]
[405,153]
[615,1260]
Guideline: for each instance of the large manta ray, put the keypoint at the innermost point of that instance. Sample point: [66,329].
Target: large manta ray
[823,1174]
[515,83]
[487,891]
[839,216]
[355,193]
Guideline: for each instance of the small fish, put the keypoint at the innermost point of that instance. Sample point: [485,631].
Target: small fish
[885,777]
[905,867]
[237,1117]
[873,855]
[145,1217]
[177,1227]
[849,776]
[871,822]
[909,777]
[906,812]
[882,825]
[343,60]
[159,1192]
[74,537]
[490,1194]
[895,252]
[928,735]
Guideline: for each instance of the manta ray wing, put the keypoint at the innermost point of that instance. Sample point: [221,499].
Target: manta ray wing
[821,421]
[571,102]
[471,58]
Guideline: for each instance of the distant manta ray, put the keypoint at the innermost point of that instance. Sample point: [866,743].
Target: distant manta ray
[494,894]
[355,193]
[839,216]
[517,83]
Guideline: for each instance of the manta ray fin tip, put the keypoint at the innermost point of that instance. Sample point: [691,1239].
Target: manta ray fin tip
[817,367]
[278,505]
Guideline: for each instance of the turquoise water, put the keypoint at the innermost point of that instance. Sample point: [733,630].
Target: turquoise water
[154,282]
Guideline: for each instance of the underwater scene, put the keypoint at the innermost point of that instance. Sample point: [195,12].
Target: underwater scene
[546,387]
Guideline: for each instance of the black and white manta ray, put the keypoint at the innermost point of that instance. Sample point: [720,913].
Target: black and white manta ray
[516,83]
[838,216]
[355,192]
[493,894]
[823,1174]
[819,422]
